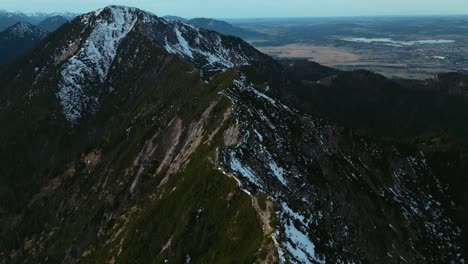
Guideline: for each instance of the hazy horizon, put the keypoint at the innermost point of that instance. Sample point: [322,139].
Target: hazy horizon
[244,9]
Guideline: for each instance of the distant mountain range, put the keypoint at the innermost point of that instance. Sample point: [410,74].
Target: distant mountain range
[20,32]
[8,19]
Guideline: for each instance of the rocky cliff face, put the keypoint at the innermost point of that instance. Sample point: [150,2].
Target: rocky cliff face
[143,140]
[327,182]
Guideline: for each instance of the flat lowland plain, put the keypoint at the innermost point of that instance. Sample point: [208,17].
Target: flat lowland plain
[329,56]
[413,49]
[347,60]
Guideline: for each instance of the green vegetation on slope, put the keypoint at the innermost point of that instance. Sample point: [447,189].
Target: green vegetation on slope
[79,204]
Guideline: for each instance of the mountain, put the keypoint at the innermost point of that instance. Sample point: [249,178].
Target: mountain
[175,18]
[17,39]
[222,27]
[216,25]
[130,138]
[8,19]
[67,15]
[52,23]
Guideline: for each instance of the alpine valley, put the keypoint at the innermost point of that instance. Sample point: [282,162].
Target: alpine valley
[129,138]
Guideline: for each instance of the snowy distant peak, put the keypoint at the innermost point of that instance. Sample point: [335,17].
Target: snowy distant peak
[67,15]
[23,29]
[11,14]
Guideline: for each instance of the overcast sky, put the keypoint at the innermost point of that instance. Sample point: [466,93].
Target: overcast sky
[252,8]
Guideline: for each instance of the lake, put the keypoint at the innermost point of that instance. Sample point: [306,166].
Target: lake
[397,43]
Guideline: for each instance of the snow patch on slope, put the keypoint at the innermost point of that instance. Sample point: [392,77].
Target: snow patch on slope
[89,67]
[278,172]
[244,171]
[300,245]
[194,44]
[258,165]
[181,48]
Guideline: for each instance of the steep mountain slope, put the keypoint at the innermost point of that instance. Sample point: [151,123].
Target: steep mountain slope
[337,191]
[52,23]
[17,39]
[151,79]
[128,138]
[429,113]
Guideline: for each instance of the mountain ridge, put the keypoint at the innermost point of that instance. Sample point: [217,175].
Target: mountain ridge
[52,23]
[217,25]
[223,27]
[190,157]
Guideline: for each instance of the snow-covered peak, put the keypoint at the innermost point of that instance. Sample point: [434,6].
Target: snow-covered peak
[208,49]
[120,8]
[102,14]
[87,70]
[90,65]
